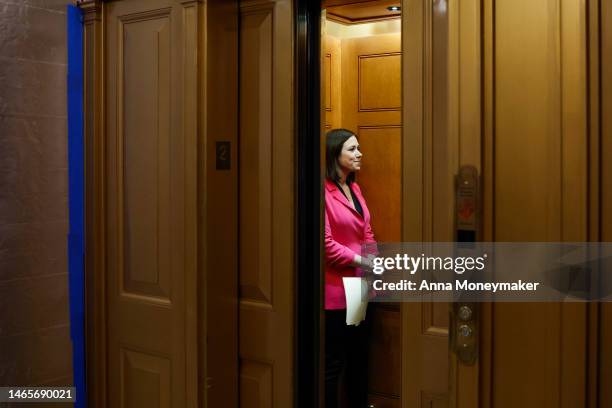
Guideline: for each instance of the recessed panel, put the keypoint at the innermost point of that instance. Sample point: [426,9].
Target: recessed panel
[145,380]
[385,351]
[144,127]
[255,384]
[528,196]
[256,136]
[435,318]
[380,179]
[433,400]
[527,121]
[331,80]
[380,82]
[327,77]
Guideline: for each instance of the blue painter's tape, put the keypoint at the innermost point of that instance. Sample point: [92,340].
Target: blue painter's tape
[76,201]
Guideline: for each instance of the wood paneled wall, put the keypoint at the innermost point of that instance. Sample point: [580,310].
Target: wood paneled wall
[533,137]
[362,85]
[371,107]
[538,140]
[523,107]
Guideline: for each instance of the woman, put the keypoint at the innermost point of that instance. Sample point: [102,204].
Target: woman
[347,228]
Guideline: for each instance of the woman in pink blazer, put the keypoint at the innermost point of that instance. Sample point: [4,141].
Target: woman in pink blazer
[347,228]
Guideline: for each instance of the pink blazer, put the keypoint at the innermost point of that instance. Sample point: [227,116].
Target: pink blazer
[345,232]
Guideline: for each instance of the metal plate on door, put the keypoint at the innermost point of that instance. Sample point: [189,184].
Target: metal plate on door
[464,322]
[223,155]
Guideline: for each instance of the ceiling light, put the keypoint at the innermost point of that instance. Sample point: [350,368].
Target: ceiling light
[394,8]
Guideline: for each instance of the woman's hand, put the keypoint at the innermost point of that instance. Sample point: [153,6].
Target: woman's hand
[366,263]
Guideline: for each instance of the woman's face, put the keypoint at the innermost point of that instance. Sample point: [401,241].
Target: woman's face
[350,156]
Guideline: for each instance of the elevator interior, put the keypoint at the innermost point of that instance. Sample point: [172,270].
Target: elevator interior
[361,91]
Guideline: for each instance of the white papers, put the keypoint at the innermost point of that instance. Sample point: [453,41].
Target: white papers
[356,291]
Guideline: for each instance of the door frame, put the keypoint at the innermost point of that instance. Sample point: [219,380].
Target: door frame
[308,344]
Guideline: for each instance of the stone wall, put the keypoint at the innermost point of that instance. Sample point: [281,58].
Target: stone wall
[35,343]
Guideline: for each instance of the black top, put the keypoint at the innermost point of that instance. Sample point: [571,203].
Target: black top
[355,200]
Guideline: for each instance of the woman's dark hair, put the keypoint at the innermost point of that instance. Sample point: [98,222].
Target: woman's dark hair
[334,140]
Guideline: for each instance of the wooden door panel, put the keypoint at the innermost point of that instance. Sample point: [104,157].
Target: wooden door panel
[144,142]
[435,318]
[146,379]
[161,92]
[385,354]
[332,79]
[255,158]
[540,139]
[431,400]
[362,85]
[371,81]
[266,307]
[379,81]
[430,160]
[380,178]
[256,384]
[151,207]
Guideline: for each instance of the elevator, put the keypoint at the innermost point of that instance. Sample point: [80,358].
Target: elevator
[193,153]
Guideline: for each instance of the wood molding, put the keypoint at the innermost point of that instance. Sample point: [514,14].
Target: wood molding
[92,10]
[428,327]
[346,21]
[488,197]
[594,311]
[88,3]
[413,108]
[379,126]
[95,202]
[465,148]
[143,16]
[431,399]
[358,12]
[254,6]
[193,315]
[329,58]
[330,3]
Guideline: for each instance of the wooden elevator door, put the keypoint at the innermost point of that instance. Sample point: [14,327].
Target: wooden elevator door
[266,213]
[150,205]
